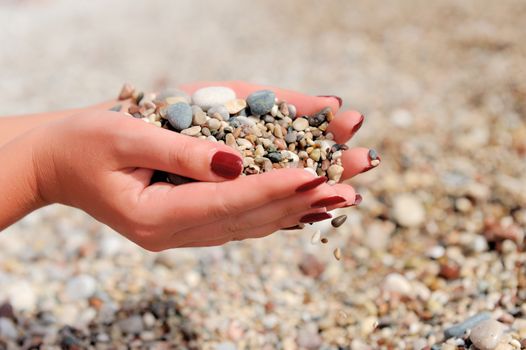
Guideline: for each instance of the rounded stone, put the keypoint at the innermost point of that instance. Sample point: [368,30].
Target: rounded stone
[167,93]
[179,115]
[487,334]
[261,102]
[408,210]
[221,110]
[212,96]
[199,117]
[81,287]
[213,124]
[300,124]
[235,106]
[397,283]
[335,172]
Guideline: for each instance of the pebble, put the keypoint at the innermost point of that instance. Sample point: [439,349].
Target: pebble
[131,325]
[179,115]
[309,339]
[126,91]
[235,106]
[22,295]
[212,96]
[459,329]
[311,266]
[339,220]
[337,253]
[335,172]
[397,283]
[300,124]
[487,334]
[7,329]
[315,237]
[221,110]
[225,346]
[198,116]
[261,102]
[192,131]
[80,287]
[213,124]
[408,210]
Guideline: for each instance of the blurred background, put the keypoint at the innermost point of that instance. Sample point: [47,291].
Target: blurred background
[438,238]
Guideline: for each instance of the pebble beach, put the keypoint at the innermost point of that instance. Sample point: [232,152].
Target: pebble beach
[434,257]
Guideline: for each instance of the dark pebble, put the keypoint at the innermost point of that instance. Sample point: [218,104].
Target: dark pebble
[261,102]
[139,97]
[116,108]
[459,329]
[338,221]
[316,120]
[234,122]
[274,157]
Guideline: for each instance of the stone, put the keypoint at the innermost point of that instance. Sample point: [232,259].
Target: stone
[192,131]
[487,334]
[261,102]
[198,116]
[131,325]
[213,124]
[221,110]
[22,296]
[80,287]
[459,329]
[212,96]
[397,283]
[275,157]
[235,106]
[311,266]
[335,172]
[126,91]
[225,346]
[179,115]
[300,124]
[408,210]
[7,329]
[309,339]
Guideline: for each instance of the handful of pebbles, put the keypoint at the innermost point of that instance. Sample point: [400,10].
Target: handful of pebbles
[266,132]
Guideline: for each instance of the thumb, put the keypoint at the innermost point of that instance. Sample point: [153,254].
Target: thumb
[151,147]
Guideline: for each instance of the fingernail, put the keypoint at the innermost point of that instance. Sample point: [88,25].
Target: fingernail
[226,165]
[311,184]
[358,199]
[315,217]
[357,126]
[374,160]
[340,101]
[296,227]
[325,202]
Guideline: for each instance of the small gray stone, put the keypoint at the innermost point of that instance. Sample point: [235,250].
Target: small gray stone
[179,115]
[212,96]
[7,329]
[291,137]
[459,329]
[131,325]
[261,102]
[221,110]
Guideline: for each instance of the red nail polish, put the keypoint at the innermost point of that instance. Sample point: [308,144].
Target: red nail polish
[226,165]
[296,227]
[325,202]
[315,217]
[311,184]
[340,101]
[357,126]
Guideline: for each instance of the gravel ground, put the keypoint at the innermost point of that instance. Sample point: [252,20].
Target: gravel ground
[438,238]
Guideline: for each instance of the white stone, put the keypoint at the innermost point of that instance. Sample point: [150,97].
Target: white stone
[396,283]
[7,329]
[487,334]
[192,131]
[408,210]
[300,124]
[335,172]
[212,96]
[22,295]
[81,287]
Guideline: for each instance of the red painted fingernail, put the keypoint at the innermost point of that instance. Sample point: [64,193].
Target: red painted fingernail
[357,126]
[325,202]
[311,184]
[226,165]
[315,217]
[340,101]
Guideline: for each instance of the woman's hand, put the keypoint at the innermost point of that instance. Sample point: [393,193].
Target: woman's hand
[102,161]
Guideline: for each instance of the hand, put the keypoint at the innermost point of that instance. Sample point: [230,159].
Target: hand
[101,162]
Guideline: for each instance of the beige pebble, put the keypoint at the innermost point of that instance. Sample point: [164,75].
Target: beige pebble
[300,124]
[487,334]
[335,172]
[213,124]
[192,131]
[235,106]
[230,140]
[315,237]
[337,253]
[126,91]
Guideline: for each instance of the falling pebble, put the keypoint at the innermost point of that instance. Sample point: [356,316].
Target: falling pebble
[338,221]
[324,240]
[337,253]
[315,237]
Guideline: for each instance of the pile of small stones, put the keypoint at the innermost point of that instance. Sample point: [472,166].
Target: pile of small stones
[267,132]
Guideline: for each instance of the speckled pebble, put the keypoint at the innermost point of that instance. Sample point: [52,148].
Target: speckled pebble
[261,102]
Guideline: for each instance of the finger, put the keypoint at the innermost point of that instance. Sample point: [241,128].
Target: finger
[147,146]
[305,104]
[237,235]
[206,202]
[345,125]
[323,196]
[358,160]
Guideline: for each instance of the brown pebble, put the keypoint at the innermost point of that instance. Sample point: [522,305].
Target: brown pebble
[449,271]
[324,240]
[311,266]
[126,91]
[337,253]
[338,221]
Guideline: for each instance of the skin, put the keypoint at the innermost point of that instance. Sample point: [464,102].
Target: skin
[101,162]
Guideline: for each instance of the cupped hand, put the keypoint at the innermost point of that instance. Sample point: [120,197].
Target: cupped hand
[102,162]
